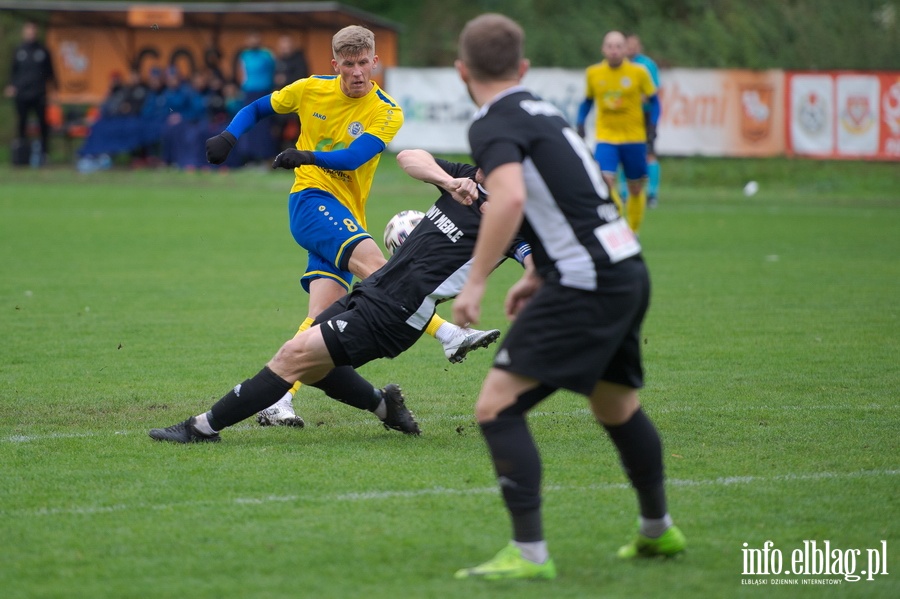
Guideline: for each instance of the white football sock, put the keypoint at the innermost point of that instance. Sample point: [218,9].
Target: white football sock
[655,527]
[446,332]
[201,423]
[381,410]
[535,551]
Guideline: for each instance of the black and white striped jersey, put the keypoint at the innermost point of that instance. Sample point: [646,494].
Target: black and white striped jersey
[576,234]
[434,261]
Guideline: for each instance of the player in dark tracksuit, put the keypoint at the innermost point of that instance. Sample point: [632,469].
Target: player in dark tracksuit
[381,317]
[30,74]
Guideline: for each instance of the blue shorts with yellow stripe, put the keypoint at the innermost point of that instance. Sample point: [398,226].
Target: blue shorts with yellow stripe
[327,230]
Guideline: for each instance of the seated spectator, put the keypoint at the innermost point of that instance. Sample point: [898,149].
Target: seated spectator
[187,129]
[115,97]
[135,118]
[135,93]
[119,127]
[214,100]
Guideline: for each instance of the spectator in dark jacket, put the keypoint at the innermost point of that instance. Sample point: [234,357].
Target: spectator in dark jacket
[30,75]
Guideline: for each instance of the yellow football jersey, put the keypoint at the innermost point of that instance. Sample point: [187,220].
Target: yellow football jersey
[330,120]
[618,94]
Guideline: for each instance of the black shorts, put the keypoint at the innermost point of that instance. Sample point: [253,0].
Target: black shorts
[361,327]
[571,339]
[651,134]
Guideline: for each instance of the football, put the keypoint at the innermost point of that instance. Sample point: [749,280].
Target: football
[399,228]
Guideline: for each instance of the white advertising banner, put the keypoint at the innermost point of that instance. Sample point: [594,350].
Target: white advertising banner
[858,114]
[437,109]
[710,112]
[812,114]
[839,114]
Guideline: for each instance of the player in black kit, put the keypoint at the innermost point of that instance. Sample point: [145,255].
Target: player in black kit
[578,310]
[382,316]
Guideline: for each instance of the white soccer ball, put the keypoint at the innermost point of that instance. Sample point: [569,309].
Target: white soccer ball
[399,228]
[751,188]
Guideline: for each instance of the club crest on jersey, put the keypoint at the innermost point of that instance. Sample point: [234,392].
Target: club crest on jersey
[355,129]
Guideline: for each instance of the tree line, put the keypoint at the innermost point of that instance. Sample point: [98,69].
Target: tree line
[757,34]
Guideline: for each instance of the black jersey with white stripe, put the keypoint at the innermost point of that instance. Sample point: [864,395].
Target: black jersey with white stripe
[432,264]
[576,234]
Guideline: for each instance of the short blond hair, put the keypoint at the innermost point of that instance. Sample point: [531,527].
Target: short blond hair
[353,40]
[492,47]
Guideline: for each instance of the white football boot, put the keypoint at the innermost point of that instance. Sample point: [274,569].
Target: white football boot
[466,340]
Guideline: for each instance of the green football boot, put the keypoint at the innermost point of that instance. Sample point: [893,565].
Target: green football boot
[668,544]
[507,564]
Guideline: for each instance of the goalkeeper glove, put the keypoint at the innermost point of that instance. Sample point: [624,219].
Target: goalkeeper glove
[218,147]
[292,158]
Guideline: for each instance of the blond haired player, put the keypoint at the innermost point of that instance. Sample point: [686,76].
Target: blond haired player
[347,120]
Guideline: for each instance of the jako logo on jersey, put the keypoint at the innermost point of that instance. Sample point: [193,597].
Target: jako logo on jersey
[355,129]
[319,116]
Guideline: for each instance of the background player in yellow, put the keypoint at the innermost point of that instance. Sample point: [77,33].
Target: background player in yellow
[347,120]
[619,89]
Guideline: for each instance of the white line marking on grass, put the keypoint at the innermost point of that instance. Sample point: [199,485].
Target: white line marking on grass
[27,438]
[437,491]
[675,482]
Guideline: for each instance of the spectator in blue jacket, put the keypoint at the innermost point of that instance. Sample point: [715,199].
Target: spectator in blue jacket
[256,75]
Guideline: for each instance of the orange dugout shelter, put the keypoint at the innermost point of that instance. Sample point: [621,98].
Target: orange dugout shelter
[90,40]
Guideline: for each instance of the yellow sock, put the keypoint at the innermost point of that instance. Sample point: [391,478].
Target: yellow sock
[303,326]
[434,324]
[636,207]
[614,194]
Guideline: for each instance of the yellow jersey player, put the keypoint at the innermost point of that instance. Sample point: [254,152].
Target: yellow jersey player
[619,88]
[347,120]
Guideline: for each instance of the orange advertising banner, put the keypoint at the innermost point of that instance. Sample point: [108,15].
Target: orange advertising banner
[721,112]
[155,16]
[890,116]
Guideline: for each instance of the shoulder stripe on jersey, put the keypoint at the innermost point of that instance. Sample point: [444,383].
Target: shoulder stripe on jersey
[323,77]
[384,98]
[573,261]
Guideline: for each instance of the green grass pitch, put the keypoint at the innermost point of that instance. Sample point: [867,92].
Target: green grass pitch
[131,300]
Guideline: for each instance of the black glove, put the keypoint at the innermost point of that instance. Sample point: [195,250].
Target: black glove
[218,147]
[580,130]
[292,158]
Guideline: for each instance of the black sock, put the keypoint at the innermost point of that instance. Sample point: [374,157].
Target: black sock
[518,467]
[347,386]
[248,398]
[640,450]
